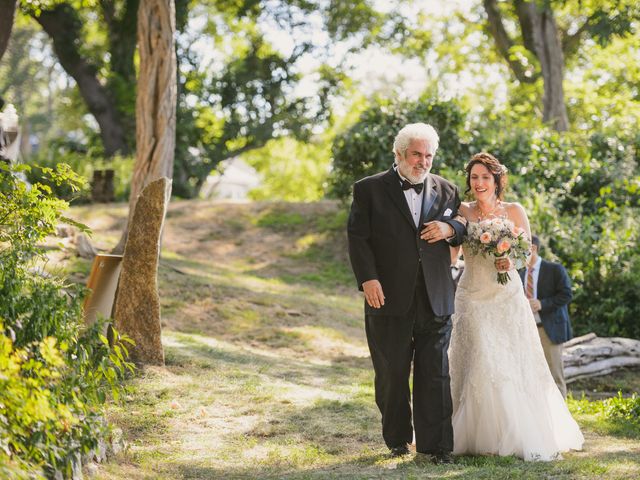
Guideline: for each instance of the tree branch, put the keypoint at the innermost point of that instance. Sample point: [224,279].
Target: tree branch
[122,37]
[254,144]
[504,43]
[64,27]
[108,11]
[528,16]
[570,43]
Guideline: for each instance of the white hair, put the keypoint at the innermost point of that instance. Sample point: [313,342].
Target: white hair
[414,131]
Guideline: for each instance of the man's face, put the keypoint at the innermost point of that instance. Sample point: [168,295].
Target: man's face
[534,255]
[417,161]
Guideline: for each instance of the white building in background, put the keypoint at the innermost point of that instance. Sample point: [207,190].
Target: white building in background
[233,181]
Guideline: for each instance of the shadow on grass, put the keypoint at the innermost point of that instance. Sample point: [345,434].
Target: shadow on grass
[246,313]
[617,456]
[197,353]
[369,466]
[331,438]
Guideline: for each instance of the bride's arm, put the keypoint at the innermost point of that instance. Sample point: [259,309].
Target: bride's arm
[464,212]
[519,218]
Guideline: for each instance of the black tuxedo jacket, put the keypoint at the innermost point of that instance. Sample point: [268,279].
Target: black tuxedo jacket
[554,293]
[384,243]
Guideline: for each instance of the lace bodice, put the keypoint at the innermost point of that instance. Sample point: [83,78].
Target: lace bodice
[479,279]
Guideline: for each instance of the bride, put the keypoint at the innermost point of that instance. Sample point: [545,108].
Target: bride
[505,401]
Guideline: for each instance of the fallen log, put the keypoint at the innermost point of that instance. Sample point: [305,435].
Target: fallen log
[602,367]
[592,356]
[580,339]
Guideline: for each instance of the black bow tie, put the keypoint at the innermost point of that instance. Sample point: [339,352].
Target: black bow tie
[406,185]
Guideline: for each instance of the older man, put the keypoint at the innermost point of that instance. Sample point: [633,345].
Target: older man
[400,227]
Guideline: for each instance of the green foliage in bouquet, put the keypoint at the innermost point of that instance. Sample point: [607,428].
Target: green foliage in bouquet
[55,373]
[495,238]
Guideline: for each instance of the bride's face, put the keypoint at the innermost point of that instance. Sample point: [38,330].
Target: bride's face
[482,183]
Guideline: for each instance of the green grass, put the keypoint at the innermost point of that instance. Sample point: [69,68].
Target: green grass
[278,219]
[267,371]
[617,416]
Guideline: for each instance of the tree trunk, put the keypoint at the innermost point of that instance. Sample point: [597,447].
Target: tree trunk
[7,14]
[63,26]
[156,100]
[504,42]
[555,111]
[122,37]
[121,21]
[541,36]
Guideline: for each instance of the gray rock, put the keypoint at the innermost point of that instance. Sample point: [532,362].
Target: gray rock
[91,470]
[137,309]
[76,468]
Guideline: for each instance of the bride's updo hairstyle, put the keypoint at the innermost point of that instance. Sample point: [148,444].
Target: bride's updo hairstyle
[492,164]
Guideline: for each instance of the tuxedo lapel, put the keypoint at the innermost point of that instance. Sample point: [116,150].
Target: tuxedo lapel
[392,185]
[428,199]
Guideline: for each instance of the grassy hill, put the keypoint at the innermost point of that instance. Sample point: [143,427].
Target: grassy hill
[267,371]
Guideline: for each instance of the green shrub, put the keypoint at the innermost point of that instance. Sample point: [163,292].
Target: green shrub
[84,163]
[55,373]
[366,148]
[581,192]
[33,305]
[617,416]
[585,206]
[626,409]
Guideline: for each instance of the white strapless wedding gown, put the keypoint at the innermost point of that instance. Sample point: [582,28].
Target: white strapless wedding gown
[505,401]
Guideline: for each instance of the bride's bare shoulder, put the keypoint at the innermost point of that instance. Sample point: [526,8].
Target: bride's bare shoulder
[516,213]
[513,207]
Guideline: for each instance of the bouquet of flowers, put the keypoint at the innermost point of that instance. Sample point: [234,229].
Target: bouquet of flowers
[499,237]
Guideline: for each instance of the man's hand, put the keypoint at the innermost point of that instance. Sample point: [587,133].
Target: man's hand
[373,293]
[535,305]
[435,231]
[503,264]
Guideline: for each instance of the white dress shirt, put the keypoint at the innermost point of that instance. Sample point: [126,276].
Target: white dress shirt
[414,199]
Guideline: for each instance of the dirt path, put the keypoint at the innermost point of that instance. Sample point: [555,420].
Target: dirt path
[268,374]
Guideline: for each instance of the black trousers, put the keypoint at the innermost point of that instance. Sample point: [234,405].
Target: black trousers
[394,341]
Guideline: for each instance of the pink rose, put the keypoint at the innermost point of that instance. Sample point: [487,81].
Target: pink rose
[503,245]
[485,238]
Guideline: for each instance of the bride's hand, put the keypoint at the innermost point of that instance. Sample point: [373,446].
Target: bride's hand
[503,264]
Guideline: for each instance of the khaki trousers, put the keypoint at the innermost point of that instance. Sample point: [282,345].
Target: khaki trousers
[553,354]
